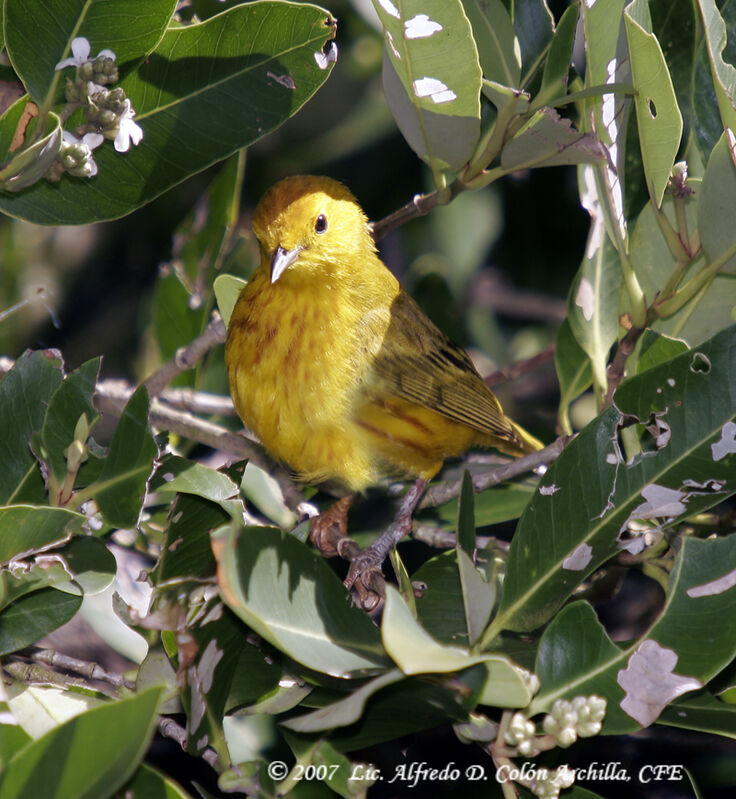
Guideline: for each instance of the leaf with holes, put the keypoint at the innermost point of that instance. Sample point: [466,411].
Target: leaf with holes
[594,501]
[207,90]
[432,78]
[657,113]
[690,642]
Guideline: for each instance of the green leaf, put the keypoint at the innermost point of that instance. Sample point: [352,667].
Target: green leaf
[710,310]
[657,113]
[411,705]
[186,553]
[478,595]
[653,349]
[290,597]
[346,711]
[691,641]
[27,620]
[70,400]
[152,783]
[12,739]
[495,37]
[227,289]
[534,26]
[25,152]
[702,712]
[466,515]
[84,566]
[87,757]
[130,28]
[412,648]
[219,639]
[593,300]
[121,486]
[206,91]
[179,475]
[28,529]
[439,603]
[573,372]
[432,79]
[715,204]
[547,139]
[724,74]
[175,321]
[24,395]
[557,63]
[583,508]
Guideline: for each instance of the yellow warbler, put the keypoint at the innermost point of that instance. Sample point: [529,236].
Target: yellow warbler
[336,368]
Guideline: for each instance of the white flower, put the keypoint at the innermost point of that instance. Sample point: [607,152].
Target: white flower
[128,131]
[80,54]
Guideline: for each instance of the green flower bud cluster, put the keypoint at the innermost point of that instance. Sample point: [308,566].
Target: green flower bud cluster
[580,717]
[75,157]
[102,71]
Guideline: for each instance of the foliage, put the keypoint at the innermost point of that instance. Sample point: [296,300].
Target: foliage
[287,688]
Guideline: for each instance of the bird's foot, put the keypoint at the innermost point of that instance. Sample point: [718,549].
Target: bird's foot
[366,577]
[328,531]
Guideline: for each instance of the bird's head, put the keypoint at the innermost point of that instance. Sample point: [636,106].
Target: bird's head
[309,225]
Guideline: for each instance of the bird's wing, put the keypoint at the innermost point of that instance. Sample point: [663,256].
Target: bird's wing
[418,363]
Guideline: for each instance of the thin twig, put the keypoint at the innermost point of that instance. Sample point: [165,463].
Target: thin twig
[111,399]
[443,492]
[489,290]
[170,729]
[419,205]
[186,357]
[436,537]
[188,399]
[515,370]
[617,368]
[40,674]
[86,668]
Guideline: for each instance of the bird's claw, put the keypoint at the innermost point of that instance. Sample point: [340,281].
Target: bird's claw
[366,577]
[328,530]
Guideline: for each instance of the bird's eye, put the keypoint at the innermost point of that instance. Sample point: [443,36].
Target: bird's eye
[320,224]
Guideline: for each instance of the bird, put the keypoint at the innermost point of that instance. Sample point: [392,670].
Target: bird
[342,376]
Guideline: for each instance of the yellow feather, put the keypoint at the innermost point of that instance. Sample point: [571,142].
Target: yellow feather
[334,367]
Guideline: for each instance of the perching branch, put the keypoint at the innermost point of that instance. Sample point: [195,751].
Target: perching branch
[443,492]
[186,357]
[111,396]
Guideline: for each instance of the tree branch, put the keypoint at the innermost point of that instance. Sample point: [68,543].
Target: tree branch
[186,357]
[443,492]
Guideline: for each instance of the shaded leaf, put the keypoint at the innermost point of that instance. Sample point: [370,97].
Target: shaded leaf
[121,486]
[289,595]
[70,400]
[573,372]
[24,395]
[696,631]
[432,79]
[30,618]
[716,200]
[29,529]
[547,139]
[657,113]
[87,757]
[207,90]
[582,512]
[495,37]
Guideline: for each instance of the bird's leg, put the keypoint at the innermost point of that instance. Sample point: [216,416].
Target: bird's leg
[328,531]
[365,573]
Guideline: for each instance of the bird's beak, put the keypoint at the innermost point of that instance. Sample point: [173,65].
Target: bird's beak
[281,260]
